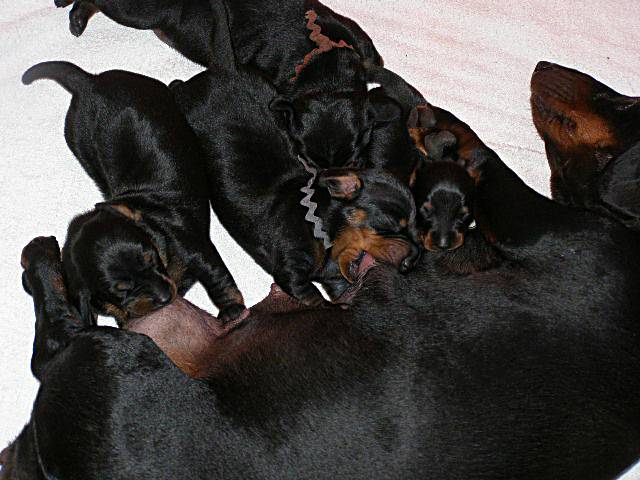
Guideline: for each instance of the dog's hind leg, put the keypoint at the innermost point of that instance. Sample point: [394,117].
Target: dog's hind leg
[56,320]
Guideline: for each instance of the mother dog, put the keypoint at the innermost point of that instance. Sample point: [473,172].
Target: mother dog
[527,370]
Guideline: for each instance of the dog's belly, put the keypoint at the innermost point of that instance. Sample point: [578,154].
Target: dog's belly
[192,337]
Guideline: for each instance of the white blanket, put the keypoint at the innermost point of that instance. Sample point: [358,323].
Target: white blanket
[473,57]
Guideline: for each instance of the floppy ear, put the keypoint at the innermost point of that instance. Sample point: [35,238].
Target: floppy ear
[342,184]
[382,109]
[281,104]
[619,186]
[121,209]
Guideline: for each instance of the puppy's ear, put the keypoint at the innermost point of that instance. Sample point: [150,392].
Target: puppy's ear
[281,104]
[382,109]
[341,184]
[121,209]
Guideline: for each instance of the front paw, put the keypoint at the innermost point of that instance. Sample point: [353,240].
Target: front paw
[40,250]
[235,311]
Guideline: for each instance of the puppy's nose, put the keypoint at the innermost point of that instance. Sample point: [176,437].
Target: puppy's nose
[544,66]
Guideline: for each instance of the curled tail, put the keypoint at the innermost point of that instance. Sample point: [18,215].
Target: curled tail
[70,76]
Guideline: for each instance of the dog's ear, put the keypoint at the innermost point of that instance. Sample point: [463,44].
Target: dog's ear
[341,183]
[382,109]
[121,209]
[281,104]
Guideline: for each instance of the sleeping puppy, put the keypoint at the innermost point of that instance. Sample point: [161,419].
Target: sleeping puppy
[316,58]
[257,181]
[592,137]
[149,240]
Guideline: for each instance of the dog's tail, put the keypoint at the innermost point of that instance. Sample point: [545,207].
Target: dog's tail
[70,76]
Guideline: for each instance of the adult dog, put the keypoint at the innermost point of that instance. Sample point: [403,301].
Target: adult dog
[592,140]
[528,370]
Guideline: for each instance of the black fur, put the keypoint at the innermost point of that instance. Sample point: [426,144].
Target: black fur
[150,239]
[256,179]
[329,98]
[527,370]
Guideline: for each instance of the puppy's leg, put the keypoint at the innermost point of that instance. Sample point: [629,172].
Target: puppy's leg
[209,269]
[56,321]
[293,273]
[79,16]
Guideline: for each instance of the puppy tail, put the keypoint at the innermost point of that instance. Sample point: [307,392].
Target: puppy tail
[70,76]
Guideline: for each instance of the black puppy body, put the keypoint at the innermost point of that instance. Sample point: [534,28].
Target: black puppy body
[256,180]
[323,97]
[150,239]
[527,370]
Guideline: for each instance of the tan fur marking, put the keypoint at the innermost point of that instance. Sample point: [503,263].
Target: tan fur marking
[351,241]
[134,215]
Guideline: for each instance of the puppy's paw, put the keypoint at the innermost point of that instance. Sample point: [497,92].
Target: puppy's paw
[40,249]
[235,311]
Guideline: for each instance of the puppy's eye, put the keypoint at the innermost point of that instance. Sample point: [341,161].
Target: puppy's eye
[147,257]
[124,286]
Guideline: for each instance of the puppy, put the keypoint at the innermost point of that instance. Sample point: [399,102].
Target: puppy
[444,186]
[149,240]
[586,126]
[316,58]
[258,180]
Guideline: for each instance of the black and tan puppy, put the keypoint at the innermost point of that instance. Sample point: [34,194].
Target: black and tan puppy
[592,140]
[258,178]
[317,59]
[444,184]
[149,240]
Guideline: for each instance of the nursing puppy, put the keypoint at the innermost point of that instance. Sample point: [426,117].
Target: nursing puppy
[592,141]
[316,58]
[444,184]
[257,178]
[149,240]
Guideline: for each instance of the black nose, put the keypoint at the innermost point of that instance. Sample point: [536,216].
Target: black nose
[544,66]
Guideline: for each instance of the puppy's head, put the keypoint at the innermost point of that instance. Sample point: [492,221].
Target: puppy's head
[584,125]
[332,128]
[371,212]
[444,193]
[114,265]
